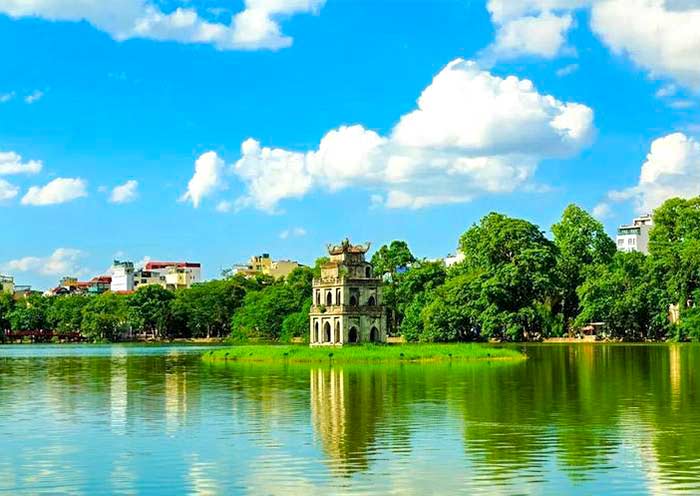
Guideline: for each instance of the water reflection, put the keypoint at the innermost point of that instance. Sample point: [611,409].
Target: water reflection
[575,419]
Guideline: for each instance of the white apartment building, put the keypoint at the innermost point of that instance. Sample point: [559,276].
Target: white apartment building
[635,236]
[122,276]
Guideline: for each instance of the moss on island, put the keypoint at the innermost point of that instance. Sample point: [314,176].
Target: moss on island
[368,353]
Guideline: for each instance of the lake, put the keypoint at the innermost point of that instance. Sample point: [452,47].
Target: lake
[578,419]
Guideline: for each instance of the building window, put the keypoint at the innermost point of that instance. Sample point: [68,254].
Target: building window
[327,331]
[337,296]
[353,300]
[368,272]
[352,335]
[318,297]
[317,335]
[337,332]
[371,302]
[329,298]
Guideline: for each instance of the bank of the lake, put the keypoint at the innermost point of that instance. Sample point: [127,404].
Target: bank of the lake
[368,353]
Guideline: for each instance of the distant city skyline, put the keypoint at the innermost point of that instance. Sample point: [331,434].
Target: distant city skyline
[213,131]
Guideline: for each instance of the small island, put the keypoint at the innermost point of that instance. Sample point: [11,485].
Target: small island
[367,353]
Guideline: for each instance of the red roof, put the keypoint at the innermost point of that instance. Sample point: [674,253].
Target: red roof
[102,279]
[165,265]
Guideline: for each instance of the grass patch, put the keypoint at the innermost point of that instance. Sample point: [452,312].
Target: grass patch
[367,353]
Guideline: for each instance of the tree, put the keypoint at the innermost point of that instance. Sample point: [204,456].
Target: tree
[29,314]
[514,265]
[392,258]
[263,313]
[625,297]
[150,310]
[106,317]
[65,315]
[206,309]
[296,325]
[674,246]
[7,303]
[582,242]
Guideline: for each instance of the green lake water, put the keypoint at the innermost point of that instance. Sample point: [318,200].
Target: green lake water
[572,419]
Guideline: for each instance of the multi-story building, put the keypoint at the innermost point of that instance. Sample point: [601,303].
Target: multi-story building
[143,277]
[347,300]
[635,236]
[263,264]
[176,275]
[122,276]
[451,259]
[7,285]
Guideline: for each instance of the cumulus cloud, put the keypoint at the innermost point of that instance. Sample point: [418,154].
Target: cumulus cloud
[6,97]
[602,211]
[671,169]
[471,133]
[63,261]
[11,163]
[542,35]
[256,27]
[125,193]
[295,232]
[7,191]
[207,178]
[661,36]
[567,70]
[60,190]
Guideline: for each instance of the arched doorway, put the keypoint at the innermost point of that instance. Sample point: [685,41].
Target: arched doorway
[352,335]
[327,331]
[329,298]
[337,332]
[374,335]
[316,338]
[368,272]
[371,302]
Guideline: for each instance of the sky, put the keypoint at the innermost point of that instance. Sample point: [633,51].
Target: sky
[213,130]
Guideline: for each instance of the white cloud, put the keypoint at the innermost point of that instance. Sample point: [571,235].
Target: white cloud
[207,178]
[296,232]
[472,133]
[224,206]
[34,97]
[60,190]
[256,27]
[666,91]
[602,211]
[11,163]
[671,169]
[661,36]
[125,193]
[6,97]
[567,70]
[63,261]
[542,35]
[7,191]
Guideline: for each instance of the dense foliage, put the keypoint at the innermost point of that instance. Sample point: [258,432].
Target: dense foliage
[514,284]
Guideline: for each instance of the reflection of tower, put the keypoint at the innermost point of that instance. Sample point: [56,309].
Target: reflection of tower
[346,408]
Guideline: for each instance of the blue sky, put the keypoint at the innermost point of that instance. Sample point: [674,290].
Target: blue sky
[100,102]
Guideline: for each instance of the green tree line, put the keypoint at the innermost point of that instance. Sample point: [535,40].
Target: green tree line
[514,284]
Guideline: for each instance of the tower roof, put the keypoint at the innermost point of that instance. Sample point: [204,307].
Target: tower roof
[347,247]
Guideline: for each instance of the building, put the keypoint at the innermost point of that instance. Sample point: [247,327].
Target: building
[635,236]
[347,300]
[264,265]
[122,276]
[7,285]
[175,275]
[451,259]
[143,277]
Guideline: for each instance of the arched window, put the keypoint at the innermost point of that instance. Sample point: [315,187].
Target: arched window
[337,296]
[368,272]
[353,300]
[337,332]
[327,331]
[318,297]
[374,335]
[352,335]
[371,302]
[329,298]
[317,334]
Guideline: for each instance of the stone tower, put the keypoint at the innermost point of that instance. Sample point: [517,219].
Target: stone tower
[347,300]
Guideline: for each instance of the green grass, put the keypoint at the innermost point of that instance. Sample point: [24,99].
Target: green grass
[363,353]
